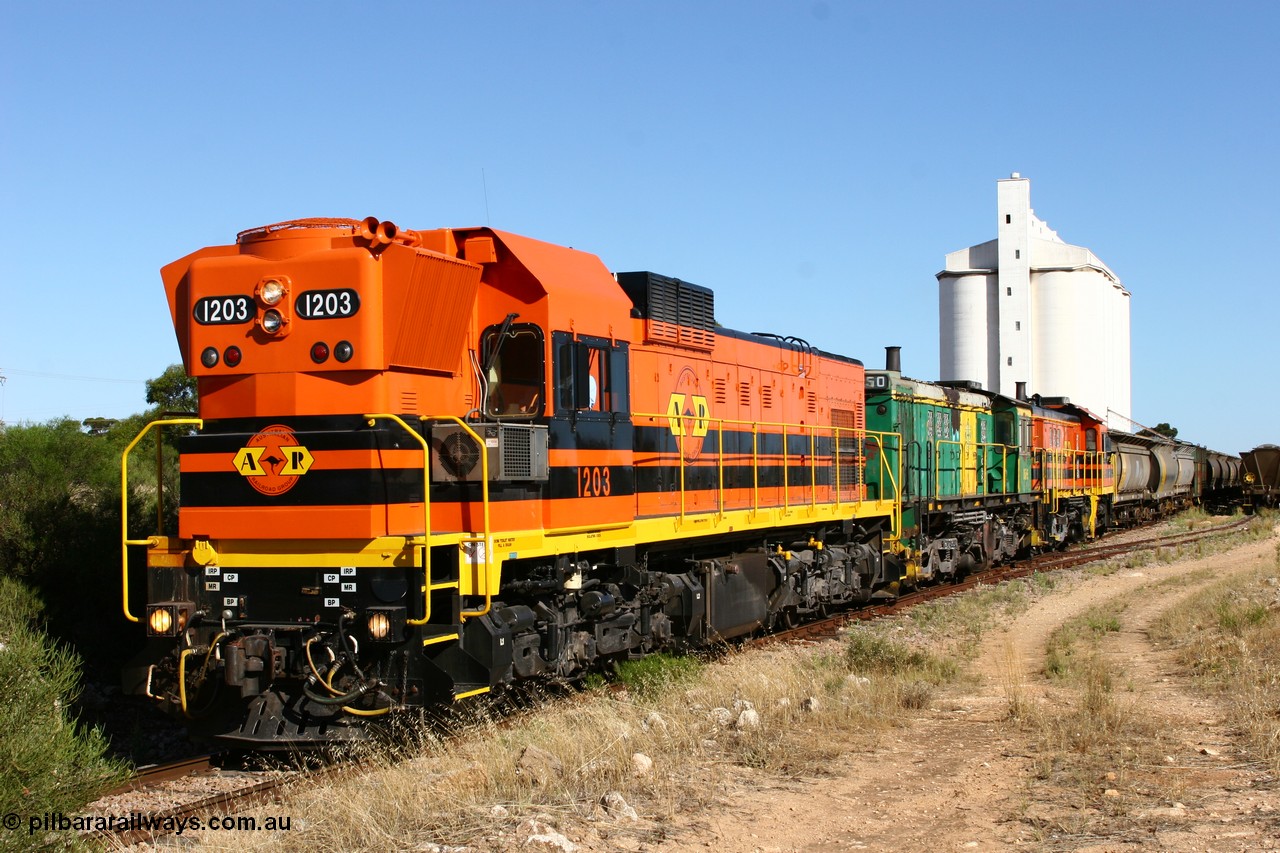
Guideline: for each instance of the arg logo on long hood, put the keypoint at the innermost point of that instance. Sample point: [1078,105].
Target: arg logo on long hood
[273,460]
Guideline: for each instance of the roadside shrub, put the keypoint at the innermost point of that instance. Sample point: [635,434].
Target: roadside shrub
[657,673]
[60,528]
[48,763]
[868,651]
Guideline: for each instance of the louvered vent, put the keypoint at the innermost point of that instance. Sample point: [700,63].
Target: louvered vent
[766,396]
[850,449]
[517,454]
[439,294]
[744,395]
[677,312]
[514,452]
[721,392]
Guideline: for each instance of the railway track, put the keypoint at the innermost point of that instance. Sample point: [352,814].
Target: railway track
[157,773]
[248,788]
[269,784]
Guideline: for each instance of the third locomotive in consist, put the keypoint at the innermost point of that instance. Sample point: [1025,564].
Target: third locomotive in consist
[429,464]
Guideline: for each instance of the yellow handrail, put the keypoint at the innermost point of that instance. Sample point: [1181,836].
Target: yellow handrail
[813,469]
[835,461]
[784,431]
[980,454]
[720,466]
[893,476]
[755,466]
[428,586]
[124,504]
[786,473]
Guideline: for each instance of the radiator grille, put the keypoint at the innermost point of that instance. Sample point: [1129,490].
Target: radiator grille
[517,454]
[676,311]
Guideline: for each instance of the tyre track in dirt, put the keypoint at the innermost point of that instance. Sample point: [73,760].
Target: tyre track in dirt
[964,776]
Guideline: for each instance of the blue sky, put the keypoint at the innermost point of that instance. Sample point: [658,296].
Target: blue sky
[811,162]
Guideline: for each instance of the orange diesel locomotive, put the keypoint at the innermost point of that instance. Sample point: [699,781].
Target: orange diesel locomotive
[429,464]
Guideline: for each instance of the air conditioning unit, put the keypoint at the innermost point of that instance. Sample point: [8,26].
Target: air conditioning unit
[515,452]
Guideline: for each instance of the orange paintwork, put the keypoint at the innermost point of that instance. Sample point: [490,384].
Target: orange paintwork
[400,293]
[1074,468]
[424,300]
[360,522]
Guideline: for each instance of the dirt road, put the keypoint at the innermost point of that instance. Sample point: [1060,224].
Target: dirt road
[966,774]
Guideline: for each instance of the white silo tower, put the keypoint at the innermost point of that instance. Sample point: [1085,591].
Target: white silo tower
[1027,307]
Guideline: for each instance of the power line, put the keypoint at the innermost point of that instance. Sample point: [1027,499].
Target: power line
[41,375]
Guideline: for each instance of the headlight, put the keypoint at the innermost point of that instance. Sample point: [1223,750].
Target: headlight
[272,321]
[271,291]
[168,618]
[161,620]
[386,624]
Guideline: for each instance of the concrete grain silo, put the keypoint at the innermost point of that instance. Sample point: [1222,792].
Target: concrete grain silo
[1027,307]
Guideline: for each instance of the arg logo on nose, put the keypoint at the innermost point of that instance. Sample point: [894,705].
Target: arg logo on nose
[273,460]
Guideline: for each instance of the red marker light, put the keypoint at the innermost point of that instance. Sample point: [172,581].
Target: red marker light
[231,357]
[319,352]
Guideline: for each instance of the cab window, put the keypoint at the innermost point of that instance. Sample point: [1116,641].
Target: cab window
[591,375]
[513,362]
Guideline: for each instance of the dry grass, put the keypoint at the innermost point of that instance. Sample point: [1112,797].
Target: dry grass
[954,625]
[784,711]
[1190,520]
[1228,636]
[1088,737]
[1072,649]
[1093,739]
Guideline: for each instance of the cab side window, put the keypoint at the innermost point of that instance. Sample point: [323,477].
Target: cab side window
[591,375]
[514,367]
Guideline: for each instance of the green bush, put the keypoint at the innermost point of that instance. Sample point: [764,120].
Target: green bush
[48,763]
[651,675]
[868,651]
[60,525]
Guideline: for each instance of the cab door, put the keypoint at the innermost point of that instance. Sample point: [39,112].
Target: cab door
[590,443]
